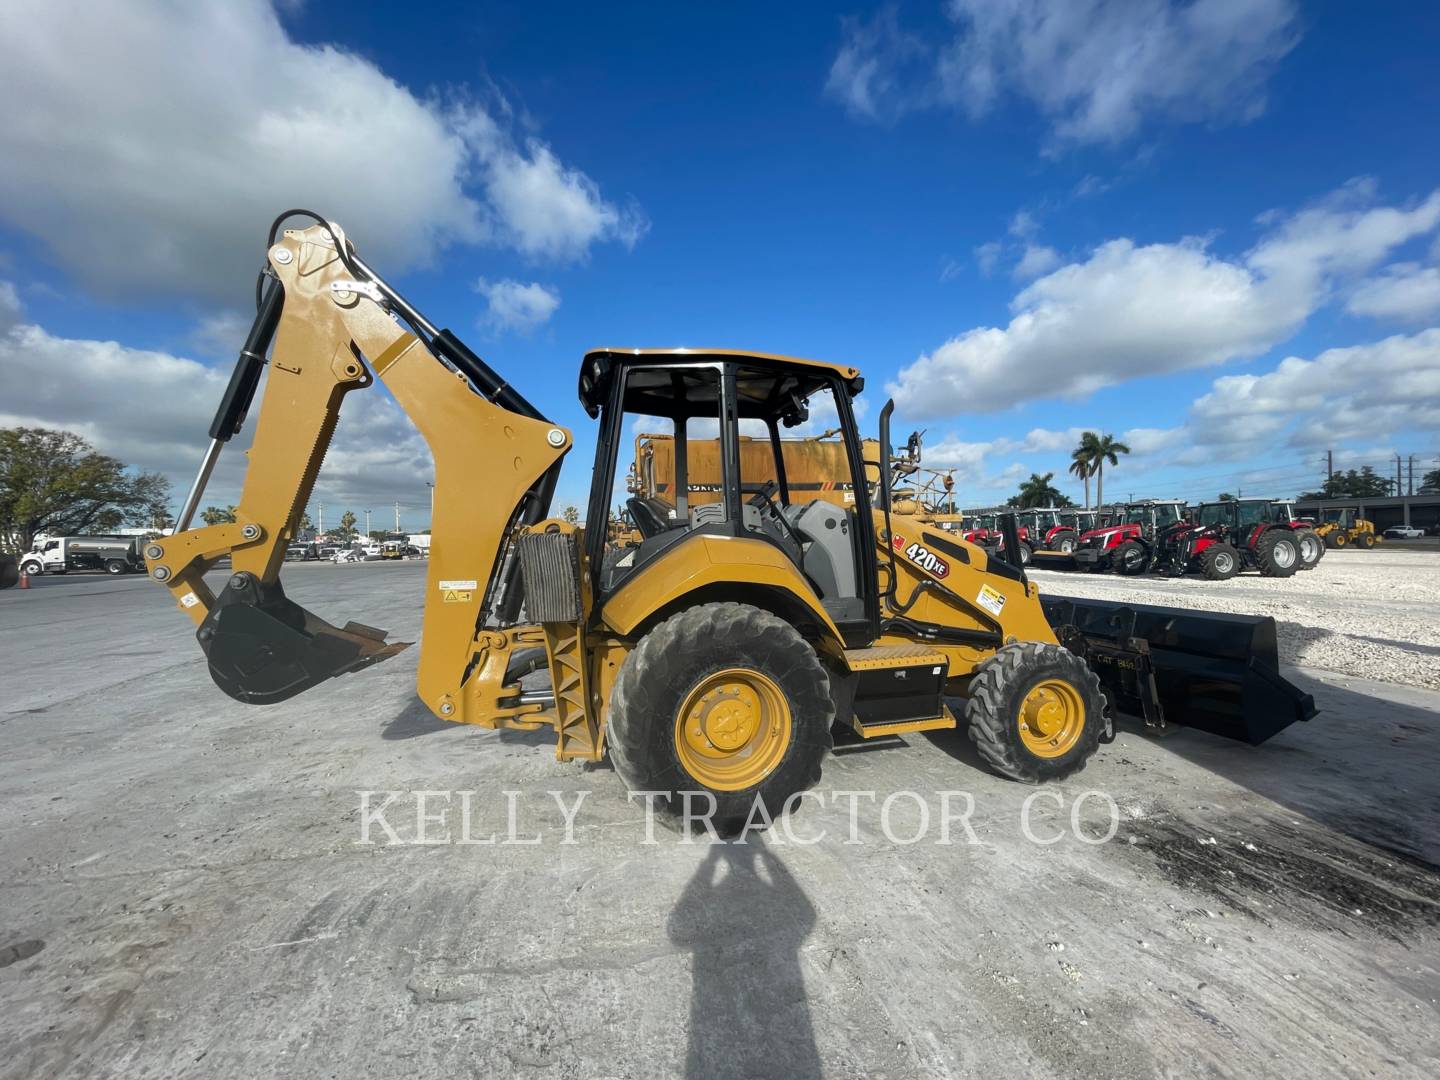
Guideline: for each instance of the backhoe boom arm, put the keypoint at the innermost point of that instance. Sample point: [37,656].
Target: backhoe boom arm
[334,329]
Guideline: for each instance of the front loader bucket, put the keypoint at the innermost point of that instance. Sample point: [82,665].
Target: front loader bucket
[1218,673]
[264,648]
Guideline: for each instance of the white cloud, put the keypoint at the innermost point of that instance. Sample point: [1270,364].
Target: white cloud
[880,71]
[987,255]
[152,410]
[1096,69]
[1130,311]
[147,145]
[1407,292]
[1037,260]
[515,306]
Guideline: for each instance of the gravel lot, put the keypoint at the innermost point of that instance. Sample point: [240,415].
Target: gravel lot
[183,891]
[1374,614]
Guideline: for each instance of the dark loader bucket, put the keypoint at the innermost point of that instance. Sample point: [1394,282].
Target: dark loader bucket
[1218,673]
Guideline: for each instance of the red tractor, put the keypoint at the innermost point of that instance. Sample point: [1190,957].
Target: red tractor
[1226,537]
[1127,538]
[1057,529]
[985,531]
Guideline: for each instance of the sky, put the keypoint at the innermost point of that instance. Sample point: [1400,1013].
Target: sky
[1209,228]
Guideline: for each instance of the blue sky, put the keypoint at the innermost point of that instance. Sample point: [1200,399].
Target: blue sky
[1021,219]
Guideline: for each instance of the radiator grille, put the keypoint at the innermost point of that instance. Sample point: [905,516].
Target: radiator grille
[550,568]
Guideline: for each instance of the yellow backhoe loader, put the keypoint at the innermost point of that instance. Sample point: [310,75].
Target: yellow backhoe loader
[1344,527]
[715,655]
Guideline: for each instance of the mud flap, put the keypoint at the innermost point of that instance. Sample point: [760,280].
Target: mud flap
[264,648]
[1219,673]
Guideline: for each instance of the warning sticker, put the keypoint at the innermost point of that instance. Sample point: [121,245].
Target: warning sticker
[467,585]
[189,600]
[992,600]
[457,596]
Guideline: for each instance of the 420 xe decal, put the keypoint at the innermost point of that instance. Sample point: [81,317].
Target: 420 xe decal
[919,553]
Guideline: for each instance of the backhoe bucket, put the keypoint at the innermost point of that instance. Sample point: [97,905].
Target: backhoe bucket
[1218,673]
[264,648]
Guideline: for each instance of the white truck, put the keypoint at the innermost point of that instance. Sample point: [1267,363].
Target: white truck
[61,554]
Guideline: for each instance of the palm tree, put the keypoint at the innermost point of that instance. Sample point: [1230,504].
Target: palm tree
[1106,450]
[1082,460]
[1038,491]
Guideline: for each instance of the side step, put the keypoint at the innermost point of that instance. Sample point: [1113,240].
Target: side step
[898,689]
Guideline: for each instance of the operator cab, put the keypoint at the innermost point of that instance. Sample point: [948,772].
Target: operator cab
[733,445]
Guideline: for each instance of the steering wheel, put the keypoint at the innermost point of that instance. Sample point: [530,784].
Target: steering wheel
[763,500]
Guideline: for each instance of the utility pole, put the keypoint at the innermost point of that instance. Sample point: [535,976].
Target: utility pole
[367,524]
[397,516]
[1399,490]
[1410,480]
[1329,465]
[431,486]
[320,528]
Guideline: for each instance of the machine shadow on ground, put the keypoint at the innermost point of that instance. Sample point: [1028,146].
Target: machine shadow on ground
[744,919]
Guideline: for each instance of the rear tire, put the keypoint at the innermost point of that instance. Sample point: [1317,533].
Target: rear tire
[1311,549]
[1009,696]
[656,723]
[1277,553]
[115,567]
[1220,562]
[1130,558]
[1026,552]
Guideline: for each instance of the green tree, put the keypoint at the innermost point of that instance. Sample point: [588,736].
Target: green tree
[1431,479]
[55,482]
[1080,467]
[571,514]
[1225,496]
[1352,484]
[1097,451]
[214,515]
[1038,491]
[347,524]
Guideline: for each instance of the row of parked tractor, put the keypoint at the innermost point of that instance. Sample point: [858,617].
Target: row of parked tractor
[1216,539]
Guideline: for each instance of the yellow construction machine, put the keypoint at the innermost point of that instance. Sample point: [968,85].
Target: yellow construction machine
[1343,527]
[717,654]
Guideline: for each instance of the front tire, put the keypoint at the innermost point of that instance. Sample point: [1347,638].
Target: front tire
[1220,562]
[34,569]
[1065,542]
[722,698]
[1367,541]
[1130,558]
[1036,712]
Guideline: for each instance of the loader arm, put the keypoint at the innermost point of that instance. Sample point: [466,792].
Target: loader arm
[332,327]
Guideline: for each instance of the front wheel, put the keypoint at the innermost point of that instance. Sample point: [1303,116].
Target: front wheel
[1065,542]
[1220,562]
[1130,558]
[1311,548]
[1367,540]
[725,699]
[33,568]
[1035,712]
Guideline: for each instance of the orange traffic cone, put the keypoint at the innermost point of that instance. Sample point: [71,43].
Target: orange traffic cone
[24,579]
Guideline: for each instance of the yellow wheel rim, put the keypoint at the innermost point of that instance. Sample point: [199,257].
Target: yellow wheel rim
[1052,716]
[732,729]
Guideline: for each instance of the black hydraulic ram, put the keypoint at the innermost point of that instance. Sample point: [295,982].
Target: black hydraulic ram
[1218,673]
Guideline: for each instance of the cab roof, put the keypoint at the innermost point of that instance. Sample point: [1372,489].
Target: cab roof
[599,366]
